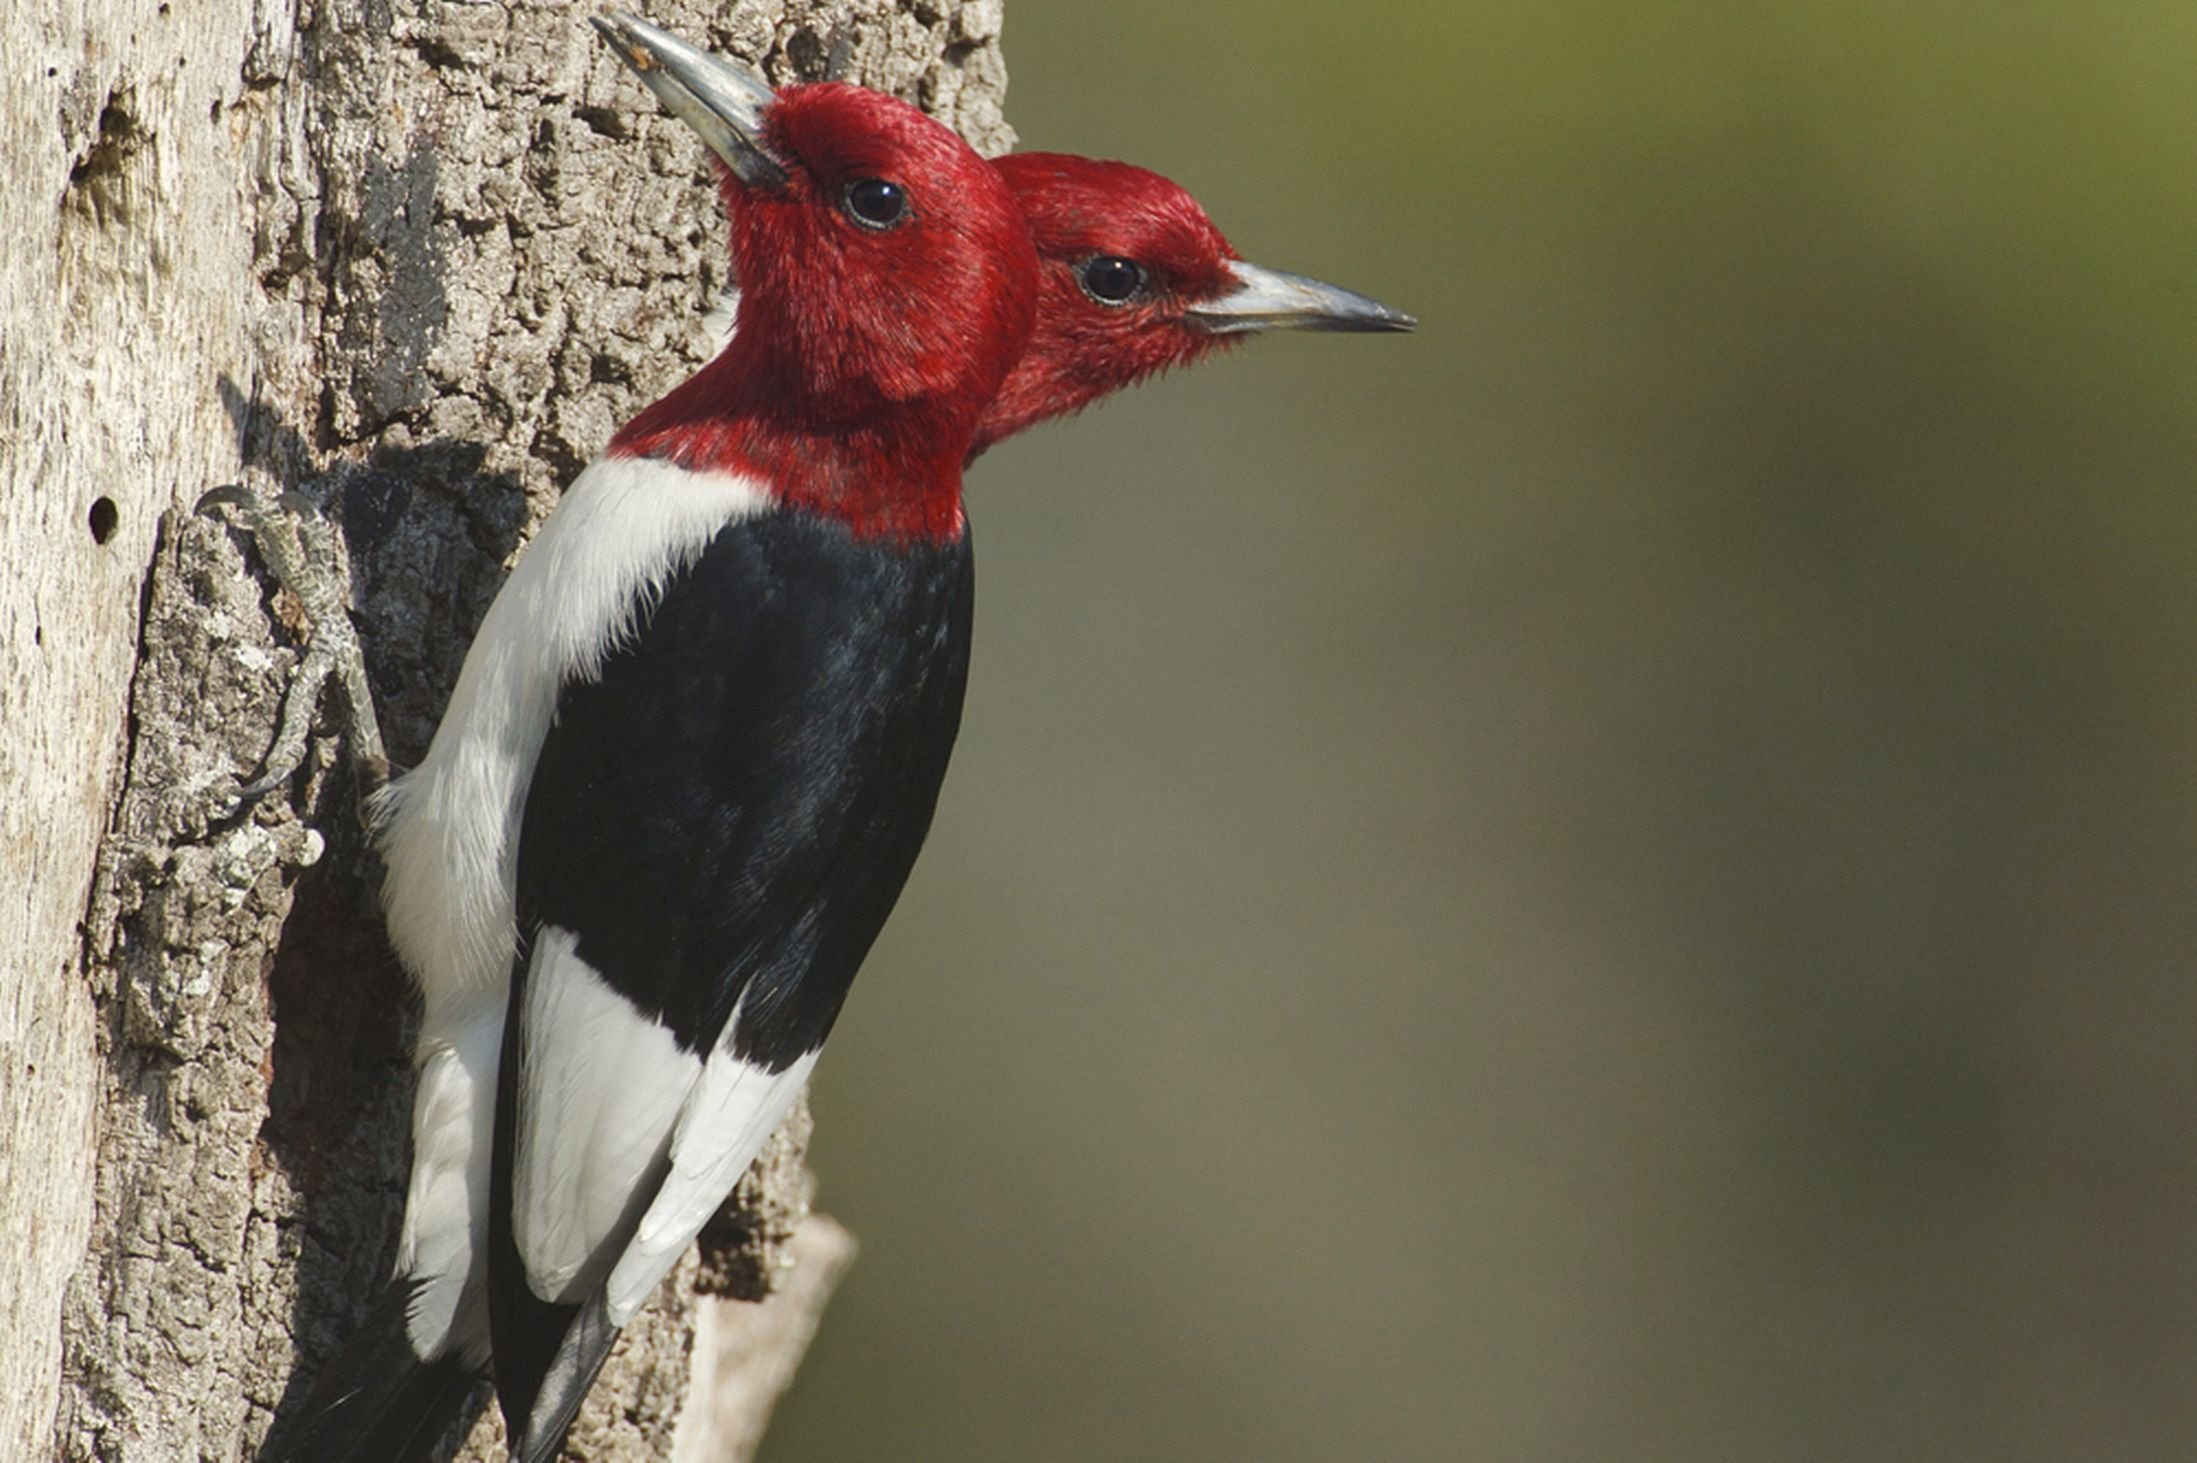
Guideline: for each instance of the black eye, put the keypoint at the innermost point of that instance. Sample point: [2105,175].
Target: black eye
[875,203]
[1111,280]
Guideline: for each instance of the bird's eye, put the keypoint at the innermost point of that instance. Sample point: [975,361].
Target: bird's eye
[875,203]
[1110,279]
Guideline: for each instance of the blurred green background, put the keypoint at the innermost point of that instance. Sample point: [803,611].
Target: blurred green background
[1612,879]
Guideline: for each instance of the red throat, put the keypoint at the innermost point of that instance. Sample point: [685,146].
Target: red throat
[886,479]
[861,360]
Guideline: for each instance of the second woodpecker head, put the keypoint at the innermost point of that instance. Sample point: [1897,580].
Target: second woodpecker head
[1135,279]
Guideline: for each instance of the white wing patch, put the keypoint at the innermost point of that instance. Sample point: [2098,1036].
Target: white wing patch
[728,1118]
[605,1099]
[600,1089]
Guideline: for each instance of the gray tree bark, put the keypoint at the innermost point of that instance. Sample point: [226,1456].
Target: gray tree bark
[415,260]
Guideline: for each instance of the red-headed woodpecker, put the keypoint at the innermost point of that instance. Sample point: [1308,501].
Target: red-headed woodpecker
[690,758]
[696,744]
[717,713]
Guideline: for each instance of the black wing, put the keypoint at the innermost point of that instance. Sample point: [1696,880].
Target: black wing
[724,818]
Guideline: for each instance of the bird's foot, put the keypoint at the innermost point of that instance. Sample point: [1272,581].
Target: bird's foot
[306,553]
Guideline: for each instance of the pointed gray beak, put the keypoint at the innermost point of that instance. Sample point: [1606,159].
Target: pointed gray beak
[1270,299]
[722,102]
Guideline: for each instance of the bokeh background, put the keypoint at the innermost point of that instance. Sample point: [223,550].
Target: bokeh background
[1614,879]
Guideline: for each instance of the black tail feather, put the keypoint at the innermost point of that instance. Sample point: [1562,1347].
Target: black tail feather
[375,1400]
[578,1361]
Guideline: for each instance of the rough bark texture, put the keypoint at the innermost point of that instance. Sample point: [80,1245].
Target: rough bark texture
[413,259]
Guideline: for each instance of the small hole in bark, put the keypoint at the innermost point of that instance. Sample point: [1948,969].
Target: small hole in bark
[604,121]
[98,184]
[104,517]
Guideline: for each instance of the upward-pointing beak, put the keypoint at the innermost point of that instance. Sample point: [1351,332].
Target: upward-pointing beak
[722,102]
[1270,299]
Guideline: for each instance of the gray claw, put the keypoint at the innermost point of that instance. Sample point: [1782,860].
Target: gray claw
[305,551]
[227,495]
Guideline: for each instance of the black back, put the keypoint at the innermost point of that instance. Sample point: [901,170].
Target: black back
[733,806]
[724,817]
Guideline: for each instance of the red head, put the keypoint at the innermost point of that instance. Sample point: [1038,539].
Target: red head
[1133,279]
[887,284]
[1123,255]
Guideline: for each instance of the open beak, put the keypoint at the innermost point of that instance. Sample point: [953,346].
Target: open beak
[1270,299]
[722,102]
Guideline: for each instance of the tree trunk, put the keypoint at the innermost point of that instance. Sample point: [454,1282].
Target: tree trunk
[413,260]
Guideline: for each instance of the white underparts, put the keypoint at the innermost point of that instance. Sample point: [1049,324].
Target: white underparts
[446,1206]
